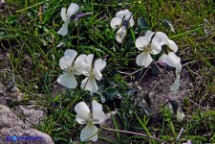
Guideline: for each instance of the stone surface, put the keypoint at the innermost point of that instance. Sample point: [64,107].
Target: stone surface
[159,87]
[13,94]
[31,136]
[2,94]
[9,119]
[13,130]
[31,114]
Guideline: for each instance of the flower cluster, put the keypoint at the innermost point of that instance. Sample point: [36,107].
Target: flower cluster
[85,117]
[77,65]
[152,43]
[73,65]
[120,22]
[66,15]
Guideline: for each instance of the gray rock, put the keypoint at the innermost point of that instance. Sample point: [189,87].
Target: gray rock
[13,94]
[2,94]
[31,114]
[31,136]
[160,93]
[12,129]
[9,119]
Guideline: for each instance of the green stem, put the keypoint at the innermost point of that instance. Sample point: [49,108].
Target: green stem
[143,125]
[188,32]
[31,6]
[135,133]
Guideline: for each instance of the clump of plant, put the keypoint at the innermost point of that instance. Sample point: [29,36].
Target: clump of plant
[94,77]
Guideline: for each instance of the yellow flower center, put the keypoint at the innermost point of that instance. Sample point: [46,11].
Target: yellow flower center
[147,49]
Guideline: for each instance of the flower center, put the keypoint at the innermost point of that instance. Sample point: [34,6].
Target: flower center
[147,49]
[71,70]
[125,23]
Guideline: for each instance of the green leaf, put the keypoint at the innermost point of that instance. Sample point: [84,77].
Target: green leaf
[147,99]
[142,23]
[11,19]
[57,98]
[174,106]
[109,93]
[4,35]
[168,25]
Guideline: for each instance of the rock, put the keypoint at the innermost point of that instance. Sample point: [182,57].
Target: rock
[2,94]
[12,129]
[31,114]
[9,119]
[13,94]
[20,136]
[160,93]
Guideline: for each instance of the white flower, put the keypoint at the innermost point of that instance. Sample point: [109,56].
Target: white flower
[89,132]
[175,86]
[120,34]
[73,8]
[93,74]
[163,38]
[147,46]
[121,22]
[173,60]
[188,142]
[152,43]
[71,68]
[180,115]
[121,17]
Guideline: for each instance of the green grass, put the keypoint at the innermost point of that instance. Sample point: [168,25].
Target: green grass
[30,40]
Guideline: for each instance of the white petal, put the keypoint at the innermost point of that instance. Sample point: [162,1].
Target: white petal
[155,48]
[149,35]
[67,80]
[127,15]
[83,112]
[161,38]
[124,14]
[99,64]
[80,64]
[188,142]
[173,60]
[97,74]
[144,59]
[73,8]
[90,84]
[64,29]
[121,33]
[131,21]
[84,82]
[180,115]
[89,133]
[116,22]
[162,58]
[141,42]
[98,114]
[90,59]
[176,84]
[71,53]
[65,62]
[63,14]
[172,45]
[178,67]
[80,120]
[88,65]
